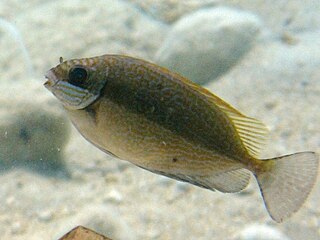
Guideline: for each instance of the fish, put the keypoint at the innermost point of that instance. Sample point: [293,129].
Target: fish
[160,121]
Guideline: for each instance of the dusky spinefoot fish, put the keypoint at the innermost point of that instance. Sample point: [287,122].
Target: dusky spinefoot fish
[163,122]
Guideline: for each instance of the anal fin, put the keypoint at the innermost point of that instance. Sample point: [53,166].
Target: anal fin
[230,182]
[227,182]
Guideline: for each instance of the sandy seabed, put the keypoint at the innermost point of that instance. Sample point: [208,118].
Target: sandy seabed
[276,79]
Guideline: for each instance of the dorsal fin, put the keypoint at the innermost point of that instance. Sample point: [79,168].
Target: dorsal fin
[252,132]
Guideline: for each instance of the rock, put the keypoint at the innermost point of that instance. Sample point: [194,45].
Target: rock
[261,232]
[17,228]
[45,216]
[205,44]
[171,10]
[101,219]
[113,196]
[82,233]
[181,188]
[278,15]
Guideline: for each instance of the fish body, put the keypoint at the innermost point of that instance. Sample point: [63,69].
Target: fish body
[162,122]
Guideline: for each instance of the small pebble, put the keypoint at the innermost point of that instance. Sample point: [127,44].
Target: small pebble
[114,196]
[45,216]
[10,200]
[182,187]
[261,232]
[16,228]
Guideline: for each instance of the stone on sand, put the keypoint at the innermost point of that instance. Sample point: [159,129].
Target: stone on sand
[278,15]
[171,10]
[82,233]
[261,232]
[205,44]
[101,219]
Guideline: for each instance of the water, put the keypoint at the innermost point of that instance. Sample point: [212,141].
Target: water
[263,59]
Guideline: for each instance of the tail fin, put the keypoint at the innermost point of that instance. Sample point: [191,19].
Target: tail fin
[287,184]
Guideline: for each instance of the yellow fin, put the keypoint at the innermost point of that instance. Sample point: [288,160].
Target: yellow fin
[252,132]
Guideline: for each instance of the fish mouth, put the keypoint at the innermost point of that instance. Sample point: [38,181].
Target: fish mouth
[52,80]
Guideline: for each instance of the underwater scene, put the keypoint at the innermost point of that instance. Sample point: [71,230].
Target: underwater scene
[160,119]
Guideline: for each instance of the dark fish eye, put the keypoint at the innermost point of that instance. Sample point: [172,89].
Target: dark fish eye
[77,76]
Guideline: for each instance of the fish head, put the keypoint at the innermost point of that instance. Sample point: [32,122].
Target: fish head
[78,82]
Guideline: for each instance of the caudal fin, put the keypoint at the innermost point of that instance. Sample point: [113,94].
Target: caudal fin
[287,184]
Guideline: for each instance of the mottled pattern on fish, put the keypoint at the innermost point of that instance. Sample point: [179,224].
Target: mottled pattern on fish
[160,121]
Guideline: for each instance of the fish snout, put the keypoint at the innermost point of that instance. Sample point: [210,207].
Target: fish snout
[52,80]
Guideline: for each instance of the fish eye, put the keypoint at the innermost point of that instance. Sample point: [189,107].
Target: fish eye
[77,76]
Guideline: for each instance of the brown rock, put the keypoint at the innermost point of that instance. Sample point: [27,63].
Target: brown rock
[82,233]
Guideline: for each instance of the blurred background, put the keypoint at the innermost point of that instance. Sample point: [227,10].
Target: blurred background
[262,57]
